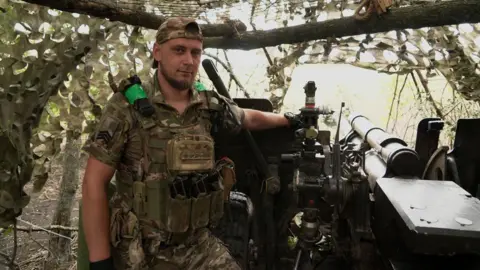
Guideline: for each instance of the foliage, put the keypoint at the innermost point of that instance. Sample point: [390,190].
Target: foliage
[57,68]
[450,50]
[62,62]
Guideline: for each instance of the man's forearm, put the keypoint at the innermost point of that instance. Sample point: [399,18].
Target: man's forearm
[258,120]
[96,221]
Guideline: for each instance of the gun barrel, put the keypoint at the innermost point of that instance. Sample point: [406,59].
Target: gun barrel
[398,157]
[213,75]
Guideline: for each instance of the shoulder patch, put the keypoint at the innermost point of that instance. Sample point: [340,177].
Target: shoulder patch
[107,129]
[117,110]
[105,136]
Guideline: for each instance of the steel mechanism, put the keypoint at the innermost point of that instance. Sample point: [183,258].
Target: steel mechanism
[366,201]
[417,219]
[312,161]
[380,203]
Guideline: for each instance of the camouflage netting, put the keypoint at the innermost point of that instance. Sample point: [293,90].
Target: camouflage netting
[65,63]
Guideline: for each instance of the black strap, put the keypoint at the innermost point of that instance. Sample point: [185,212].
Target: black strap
[208,110]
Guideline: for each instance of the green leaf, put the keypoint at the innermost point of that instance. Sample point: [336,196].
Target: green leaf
[53,109]
[7,231]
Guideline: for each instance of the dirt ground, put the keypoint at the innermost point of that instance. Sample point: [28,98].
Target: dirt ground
[32,247]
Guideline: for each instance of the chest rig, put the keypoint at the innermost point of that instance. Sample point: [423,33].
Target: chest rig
[182,186]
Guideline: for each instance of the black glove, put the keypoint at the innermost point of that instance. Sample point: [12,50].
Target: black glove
[294,120]
[106,264]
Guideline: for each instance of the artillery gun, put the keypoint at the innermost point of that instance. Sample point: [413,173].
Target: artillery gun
[418,208]
[368,200]
[365,201]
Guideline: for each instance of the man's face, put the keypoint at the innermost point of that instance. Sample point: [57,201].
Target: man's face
[179,60]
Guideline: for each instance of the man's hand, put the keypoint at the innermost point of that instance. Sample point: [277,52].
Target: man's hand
[259,120]
[294,120]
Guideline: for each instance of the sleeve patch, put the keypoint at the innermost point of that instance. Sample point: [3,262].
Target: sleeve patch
[106,136]
[107,129]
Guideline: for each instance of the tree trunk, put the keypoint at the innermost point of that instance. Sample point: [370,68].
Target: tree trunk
[221,36]
[108,10]
[418,16]
[59,247]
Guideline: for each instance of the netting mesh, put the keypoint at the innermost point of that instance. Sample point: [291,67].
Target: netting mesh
[62,62]
[273,10]
[215,11]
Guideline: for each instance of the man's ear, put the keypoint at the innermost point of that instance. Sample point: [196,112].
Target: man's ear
[156,51]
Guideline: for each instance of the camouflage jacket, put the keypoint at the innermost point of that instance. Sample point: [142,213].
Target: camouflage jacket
[116,139]
[135,146]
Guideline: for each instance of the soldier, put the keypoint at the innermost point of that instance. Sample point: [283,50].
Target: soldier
[168,193]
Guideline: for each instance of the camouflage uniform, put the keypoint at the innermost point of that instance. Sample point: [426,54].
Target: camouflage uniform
[159,214]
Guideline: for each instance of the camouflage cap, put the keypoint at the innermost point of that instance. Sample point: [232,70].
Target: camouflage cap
[178,27]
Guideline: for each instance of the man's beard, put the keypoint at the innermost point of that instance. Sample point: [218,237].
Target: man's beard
[179,85]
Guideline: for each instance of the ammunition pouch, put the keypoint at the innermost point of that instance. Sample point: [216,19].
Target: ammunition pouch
[226,169]
[172,209]
[126,237]
[186,203]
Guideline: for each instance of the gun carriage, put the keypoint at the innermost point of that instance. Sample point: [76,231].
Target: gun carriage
[366,201]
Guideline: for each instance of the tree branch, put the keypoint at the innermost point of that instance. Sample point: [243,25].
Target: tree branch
[418,16]
[107,10]
[233,36]
[230,71]
[47,230]
[435,107]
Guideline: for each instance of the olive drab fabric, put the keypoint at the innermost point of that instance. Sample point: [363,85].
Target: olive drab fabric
[228,176]
[169,187]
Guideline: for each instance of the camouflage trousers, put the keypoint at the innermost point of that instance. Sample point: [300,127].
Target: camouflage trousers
[200,251]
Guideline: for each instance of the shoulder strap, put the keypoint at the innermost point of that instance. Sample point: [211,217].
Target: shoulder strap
[212,100]
[205,99]
[211,110]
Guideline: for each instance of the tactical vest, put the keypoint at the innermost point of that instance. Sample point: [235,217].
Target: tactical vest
[182,188]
